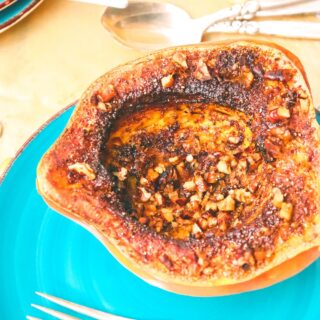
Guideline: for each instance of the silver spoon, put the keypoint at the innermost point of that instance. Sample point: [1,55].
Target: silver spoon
[153,25]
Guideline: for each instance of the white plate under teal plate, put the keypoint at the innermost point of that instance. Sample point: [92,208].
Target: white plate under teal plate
[16,11]
[40,250]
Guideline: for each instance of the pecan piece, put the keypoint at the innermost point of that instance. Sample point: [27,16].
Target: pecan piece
[108,93]
[145,195]
[278,114]
[180,59]
[83,168]
[277,197]
[167,81]
[202,72]
[227,204]
[286,211]
[122,174]
[223,167]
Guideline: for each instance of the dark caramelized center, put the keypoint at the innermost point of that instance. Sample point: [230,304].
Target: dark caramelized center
[186,170]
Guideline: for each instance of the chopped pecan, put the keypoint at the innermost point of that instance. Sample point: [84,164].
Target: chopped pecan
[158,198]
[278,114]
[282,133]
[234,140]
[211,177]
[200,184]
[189,158]
[277,197]
[243,196]
[227,204]
[83,168]
[122,174]
[286,211]
[223,167]
[152,175]
[143,181]
[160,168]
[173,196]
[174,160]
[219,197]
[167,81]
[180,59]
[104,106]
[203,223]
[108,93]
[211,206]
[189,185]
[167,214]
[196,229]
[202,73]
[145,195]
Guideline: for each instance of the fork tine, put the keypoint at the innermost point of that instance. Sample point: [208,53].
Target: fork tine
[81,309]
[57,314]
[32,318]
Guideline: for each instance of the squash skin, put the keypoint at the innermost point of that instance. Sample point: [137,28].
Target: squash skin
[88,197]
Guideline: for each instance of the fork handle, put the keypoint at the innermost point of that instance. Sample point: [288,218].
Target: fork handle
[288,29]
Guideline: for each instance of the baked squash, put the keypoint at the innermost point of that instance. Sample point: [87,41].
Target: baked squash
[196,166]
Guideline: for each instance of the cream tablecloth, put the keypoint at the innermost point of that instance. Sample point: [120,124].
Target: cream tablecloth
[48,59]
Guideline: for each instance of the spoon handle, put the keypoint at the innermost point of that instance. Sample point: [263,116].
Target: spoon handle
[289,29]
[309,7]
[245,11]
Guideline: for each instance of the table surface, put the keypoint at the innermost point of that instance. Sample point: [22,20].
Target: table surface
[48,59]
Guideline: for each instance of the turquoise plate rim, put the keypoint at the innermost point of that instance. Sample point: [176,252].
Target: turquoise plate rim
[15,12]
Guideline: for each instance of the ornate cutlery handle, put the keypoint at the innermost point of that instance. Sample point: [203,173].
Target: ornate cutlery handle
[290,29]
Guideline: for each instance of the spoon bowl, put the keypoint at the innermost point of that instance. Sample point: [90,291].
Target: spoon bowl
[148,25]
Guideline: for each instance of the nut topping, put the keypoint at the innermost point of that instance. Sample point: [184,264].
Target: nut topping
[83,168]
[243,196]
[122,174]
[227,204]
[167,81]
[286,211]
[278,114]
[158,198]
[196,229]
[167,214]
[202,72]
[234,140]
[189,158]
[108,93]
[102,106]
[145,195]
[189,185]
[174,160]
[223,167]
[160,168]
[277,197]
[180,59]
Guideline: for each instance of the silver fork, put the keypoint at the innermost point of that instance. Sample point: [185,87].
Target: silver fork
[93,313]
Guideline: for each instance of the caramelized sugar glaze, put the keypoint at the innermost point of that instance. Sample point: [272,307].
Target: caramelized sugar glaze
[200,164]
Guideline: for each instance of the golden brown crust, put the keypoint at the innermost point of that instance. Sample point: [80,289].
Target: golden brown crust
[266,84]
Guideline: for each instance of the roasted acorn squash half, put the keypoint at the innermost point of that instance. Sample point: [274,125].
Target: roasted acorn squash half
[196,166]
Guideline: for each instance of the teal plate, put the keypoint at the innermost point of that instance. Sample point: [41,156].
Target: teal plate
[11,12]
[41,250]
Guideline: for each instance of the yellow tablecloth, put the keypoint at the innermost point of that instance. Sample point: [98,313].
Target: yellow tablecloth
[49,58]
